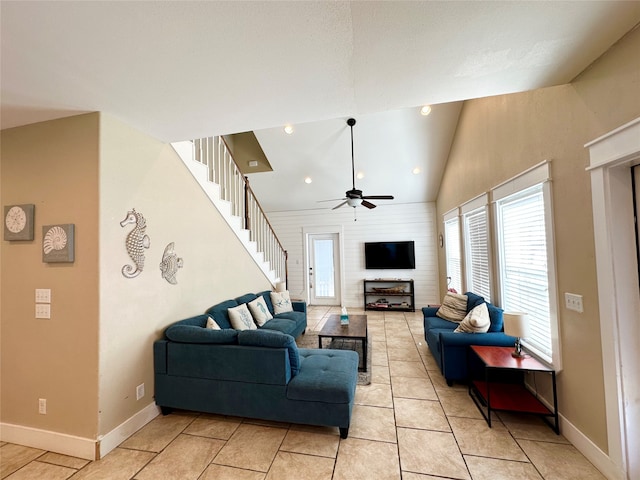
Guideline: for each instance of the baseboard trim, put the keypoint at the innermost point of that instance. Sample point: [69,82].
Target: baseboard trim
[594,454]
[590,450]
[51,441]
[73,446]
[115,437]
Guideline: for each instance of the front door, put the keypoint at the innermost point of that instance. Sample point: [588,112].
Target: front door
[324,269]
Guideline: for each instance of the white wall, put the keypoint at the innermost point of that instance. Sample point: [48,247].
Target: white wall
[387,222]
[137,171]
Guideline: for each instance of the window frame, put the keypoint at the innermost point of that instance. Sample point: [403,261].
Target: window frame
[537,175]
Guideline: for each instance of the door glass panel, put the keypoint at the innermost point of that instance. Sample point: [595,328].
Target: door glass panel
[323,268]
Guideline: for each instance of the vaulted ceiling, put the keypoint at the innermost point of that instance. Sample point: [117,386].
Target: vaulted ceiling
[179,70]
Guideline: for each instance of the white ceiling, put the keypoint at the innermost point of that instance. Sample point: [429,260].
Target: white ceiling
[179,70]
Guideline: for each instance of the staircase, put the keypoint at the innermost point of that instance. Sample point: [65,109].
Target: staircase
[212,165]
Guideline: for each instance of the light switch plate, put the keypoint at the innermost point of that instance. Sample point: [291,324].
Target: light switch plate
[43,310]
[43,295]
[573,302]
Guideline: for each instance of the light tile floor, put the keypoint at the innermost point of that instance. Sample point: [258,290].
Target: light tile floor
[408,424]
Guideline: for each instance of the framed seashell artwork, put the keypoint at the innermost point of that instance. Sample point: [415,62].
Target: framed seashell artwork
[58,243]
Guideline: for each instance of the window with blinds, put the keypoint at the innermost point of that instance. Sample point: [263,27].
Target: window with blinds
[476,246]
[524,274]
[453,257]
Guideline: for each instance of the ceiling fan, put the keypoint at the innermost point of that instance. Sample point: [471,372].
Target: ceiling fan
[354,197]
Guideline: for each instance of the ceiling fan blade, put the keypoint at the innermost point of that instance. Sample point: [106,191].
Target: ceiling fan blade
[339,205]
[367,204]
[332,200]
[379,197]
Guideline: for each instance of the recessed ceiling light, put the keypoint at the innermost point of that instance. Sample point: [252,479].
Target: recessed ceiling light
[307,180]
[360,175]
[288,129]
[416,170]
[426,110]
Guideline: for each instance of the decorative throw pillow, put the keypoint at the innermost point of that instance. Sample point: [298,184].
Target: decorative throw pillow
[281,302]
[241,318]
[476,321]
[259,311]
[212,324]
[453,308]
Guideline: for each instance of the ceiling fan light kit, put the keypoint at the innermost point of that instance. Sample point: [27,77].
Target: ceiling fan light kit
[354,197]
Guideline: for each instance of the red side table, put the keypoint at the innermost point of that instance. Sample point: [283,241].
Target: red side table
[493,395]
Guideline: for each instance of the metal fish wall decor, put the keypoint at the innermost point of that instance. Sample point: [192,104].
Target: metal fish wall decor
[170,264]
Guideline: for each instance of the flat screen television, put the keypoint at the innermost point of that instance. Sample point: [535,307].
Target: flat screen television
[389,255]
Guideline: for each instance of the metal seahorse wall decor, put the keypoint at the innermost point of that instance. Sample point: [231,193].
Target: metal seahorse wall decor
[170,264]
[136,242]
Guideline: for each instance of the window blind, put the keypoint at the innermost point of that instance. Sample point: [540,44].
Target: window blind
[453,257]
[477,252]
[522,244]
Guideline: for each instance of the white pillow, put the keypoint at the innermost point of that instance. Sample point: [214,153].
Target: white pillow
[212,324]
[259,311]
[281,302]
[241,318]
[476,321]
[453,308]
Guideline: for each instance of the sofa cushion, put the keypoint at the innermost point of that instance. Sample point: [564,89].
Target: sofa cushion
[473,300]
[433,337]
[295,316]
[476,321]
[194,334]
[272,339]
[453,308]
[281,302]
[246,298]
[280,324]
[196,321]
[240,318]
[328,376]
[259,311]
[437,322]
[496,318]
[220,314]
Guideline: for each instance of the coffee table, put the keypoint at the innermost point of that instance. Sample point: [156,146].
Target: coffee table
[356,330]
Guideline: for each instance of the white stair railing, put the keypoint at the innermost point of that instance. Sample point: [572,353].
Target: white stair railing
[234,188]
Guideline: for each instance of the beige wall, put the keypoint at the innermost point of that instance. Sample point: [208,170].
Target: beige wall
[88,359]
[137,171]
[501,136]
[53,165]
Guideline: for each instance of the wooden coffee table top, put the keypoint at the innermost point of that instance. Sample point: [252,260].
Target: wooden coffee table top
[357,327]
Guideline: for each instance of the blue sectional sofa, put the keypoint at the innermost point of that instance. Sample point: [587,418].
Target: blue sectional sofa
[450,349]
[254,373]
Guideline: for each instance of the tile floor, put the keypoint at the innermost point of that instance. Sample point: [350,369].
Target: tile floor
[408,424]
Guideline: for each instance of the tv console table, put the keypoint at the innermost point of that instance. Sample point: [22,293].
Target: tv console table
[390,294]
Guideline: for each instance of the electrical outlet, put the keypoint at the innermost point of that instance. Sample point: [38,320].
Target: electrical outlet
[42,406]
[573,302]
[43,310]
[43,295]
[140,391]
